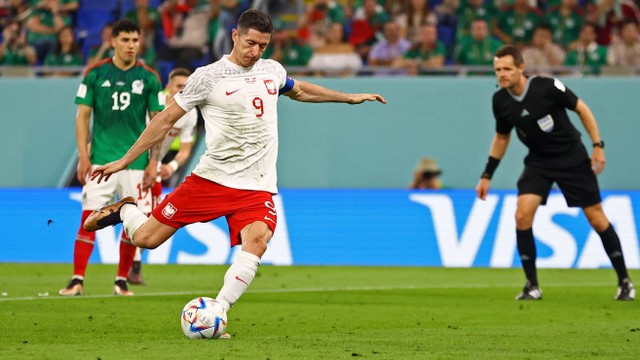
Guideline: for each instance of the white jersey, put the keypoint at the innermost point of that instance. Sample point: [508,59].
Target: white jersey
[239,107]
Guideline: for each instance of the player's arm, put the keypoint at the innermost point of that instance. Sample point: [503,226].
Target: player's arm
[591,126]
[499,147]
[167,170]
[308,92]
[153,134]
[83,118]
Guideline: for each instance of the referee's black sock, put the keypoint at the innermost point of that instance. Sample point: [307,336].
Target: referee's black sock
[611,243]
[527,251]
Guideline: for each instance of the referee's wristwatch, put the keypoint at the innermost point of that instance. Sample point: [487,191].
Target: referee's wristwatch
[599,144]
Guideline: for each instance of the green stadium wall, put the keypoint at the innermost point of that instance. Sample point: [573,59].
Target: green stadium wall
[345,146]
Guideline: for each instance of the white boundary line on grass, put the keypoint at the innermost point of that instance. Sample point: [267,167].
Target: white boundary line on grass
[294,290]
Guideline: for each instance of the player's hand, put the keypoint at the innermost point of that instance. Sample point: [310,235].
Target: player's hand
[166,171]
[360,98]
[597,160]
[150,175]
[104,172]
[83,170]
[483,188]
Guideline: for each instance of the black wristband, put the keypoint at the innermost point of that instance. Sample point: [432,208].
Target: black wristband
[490,168]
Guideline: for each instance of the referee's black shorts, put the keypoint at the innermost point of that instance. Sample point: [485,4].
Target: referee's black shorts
[579,184]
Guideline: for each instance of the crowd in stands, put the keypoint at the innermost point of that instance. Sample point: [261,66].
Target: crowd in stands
[330,37]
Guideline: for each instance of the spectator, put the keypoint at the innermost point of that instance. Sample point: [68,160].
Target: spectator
[316,21]
[336,57]
[14,49]
[447,13]
[565,20]
[104,50]
[543,53]
[586,51]
[478,48]
[391,49]
[147,53]
[428,52]
[472,10]
[43,25]
[626,50]
[366,27]
[10,9]
[426,175]
[66,53]
[516,23]
[414,14]
[188,40]
[148,18]
[287,48]
[609,14]
[227,12]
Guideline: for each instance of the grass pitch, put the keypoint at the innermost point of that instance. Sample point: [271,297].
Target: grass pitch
[320,313]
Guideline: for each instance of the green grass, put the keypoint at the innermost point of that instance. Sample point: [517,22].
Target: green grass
[321,313]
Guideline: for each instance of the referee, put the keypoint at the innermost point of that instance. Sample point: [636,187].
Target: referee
[536,107]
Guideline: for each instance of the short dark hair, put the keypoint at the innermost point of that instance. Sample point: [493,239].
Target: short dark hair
[255,19]
[179,72]
[124,25]
[513,51]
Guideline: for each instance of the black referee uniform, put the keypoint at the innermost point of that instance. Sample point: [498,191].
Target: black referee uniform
[556,153]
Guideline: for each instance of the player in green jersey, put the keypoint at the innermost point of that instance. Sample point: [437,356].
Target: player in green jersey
[119,91]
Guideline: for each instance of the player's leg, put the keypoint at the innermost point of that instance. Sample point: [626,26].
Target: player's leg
[613,248]
[188,203]
[135,273]
[257,222]
[130,184]
[82,250]
[580,188]
[533,189]
[525,212]
[127,253]
[94,196]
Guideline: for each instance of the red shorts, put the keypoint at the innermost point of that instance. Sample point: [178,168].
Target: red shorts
[201,200]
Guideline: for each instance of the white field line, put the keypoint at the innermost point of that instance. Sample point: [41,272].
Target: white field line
[311,289]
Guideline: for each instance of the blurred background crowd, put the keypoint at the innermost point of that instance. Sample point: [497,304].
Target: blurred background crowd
[328,37]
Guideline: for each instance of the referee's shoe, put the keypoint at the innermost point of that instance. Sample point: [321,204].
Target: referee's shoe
[626,291]
[530,292]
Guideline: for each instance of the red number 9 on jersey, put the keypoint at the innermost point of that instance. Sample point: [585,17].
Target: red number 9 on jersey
[257,103]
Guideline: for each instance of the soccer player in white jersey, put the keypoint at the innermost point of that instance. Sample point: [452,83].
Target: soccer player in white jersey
[183,129]
[236,177]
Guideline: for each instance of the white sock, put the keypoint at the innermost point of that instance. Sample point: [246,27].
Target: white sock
[132,219]
[138,255]
[237,279]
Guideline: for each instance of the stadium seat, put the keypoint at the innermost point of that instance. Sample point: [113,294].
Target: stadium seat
[447,35]
[164,68]
[99,4]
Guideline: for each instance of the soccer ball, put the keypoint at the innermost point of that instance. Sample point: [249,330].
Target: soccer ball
[203,318]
